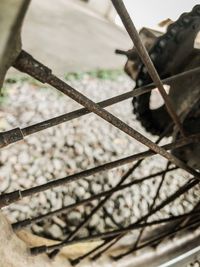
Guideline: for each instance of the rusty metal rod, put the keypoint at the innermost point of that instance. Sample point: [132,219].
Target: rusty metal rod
[8,198]
[185,188]
[109,243]
[26,63]
[77,260]
[194,223]
[18,134]
[154,202]
[185,221]
[130,28]
[109,235]
[103,201]
[21,224]
[73,234]
[136,244]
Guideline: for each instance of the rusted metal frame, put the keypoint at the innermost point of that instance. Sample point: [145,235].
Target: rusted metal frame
[185,188]
[130,28]
[136,244]
[177,194]
[27,222]
[18,134]
[26,63]
[8,198]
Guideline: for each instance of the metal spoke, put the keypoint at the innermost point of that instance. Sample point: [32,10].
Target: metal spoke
[95,209]
[15,135]
[185,188]
[29,221]
[113,234]
[156,240]
[79,259]
[174,196]
[124,177]
[8,198]
[146,220]
[130,27]
[26,63]
[109,245]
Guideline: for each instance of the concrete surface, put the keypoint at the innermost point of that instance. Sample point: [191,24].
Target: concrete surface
[67,36]
[11,17]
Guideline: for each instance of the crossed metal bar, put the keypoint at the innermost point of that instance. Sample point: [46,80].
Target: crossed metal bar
[8,198]
[18,134]
[26,63]
[185,188]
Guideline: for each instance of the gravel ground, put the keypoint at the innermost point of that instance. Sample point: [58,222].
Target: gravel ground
[74,146]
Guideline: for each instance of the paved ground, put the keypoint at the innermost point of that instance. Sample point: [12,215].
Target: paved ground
[68,37]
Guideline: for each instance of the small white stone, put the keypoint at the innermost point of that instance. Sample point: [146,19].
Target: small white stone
[23,158]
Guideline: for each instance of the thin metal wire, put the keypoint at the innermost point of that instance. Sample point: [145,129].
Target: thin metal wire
[18,134]
[8,198]
[46,249]
[79,259]
[158,239]
[26,63]
[124,177]
[44,74]
[95,209]
[177,194]
[24,223]
[130,28]
[146,220]
[109,243]
[106,242]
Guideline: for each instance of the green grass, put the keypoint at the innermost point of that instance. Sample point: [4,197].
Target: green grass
[101,74]
[3,96]
[98,74]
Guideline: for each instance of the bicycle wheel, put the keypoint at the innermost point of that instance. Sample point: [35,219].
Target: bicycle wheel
[148,230]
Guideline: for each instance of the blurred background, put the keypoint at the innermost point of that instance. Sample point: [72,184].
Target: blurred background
[65,30]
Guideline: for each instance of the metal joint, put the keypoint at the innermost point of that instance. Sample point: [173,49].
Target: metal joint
[26,63]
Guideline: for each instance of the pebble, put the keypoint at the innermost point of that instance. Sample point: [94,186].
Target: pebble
[94,221]
[96,188]
[59,222]
[23,158]
[74,218]
[55,231]
[67,200]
